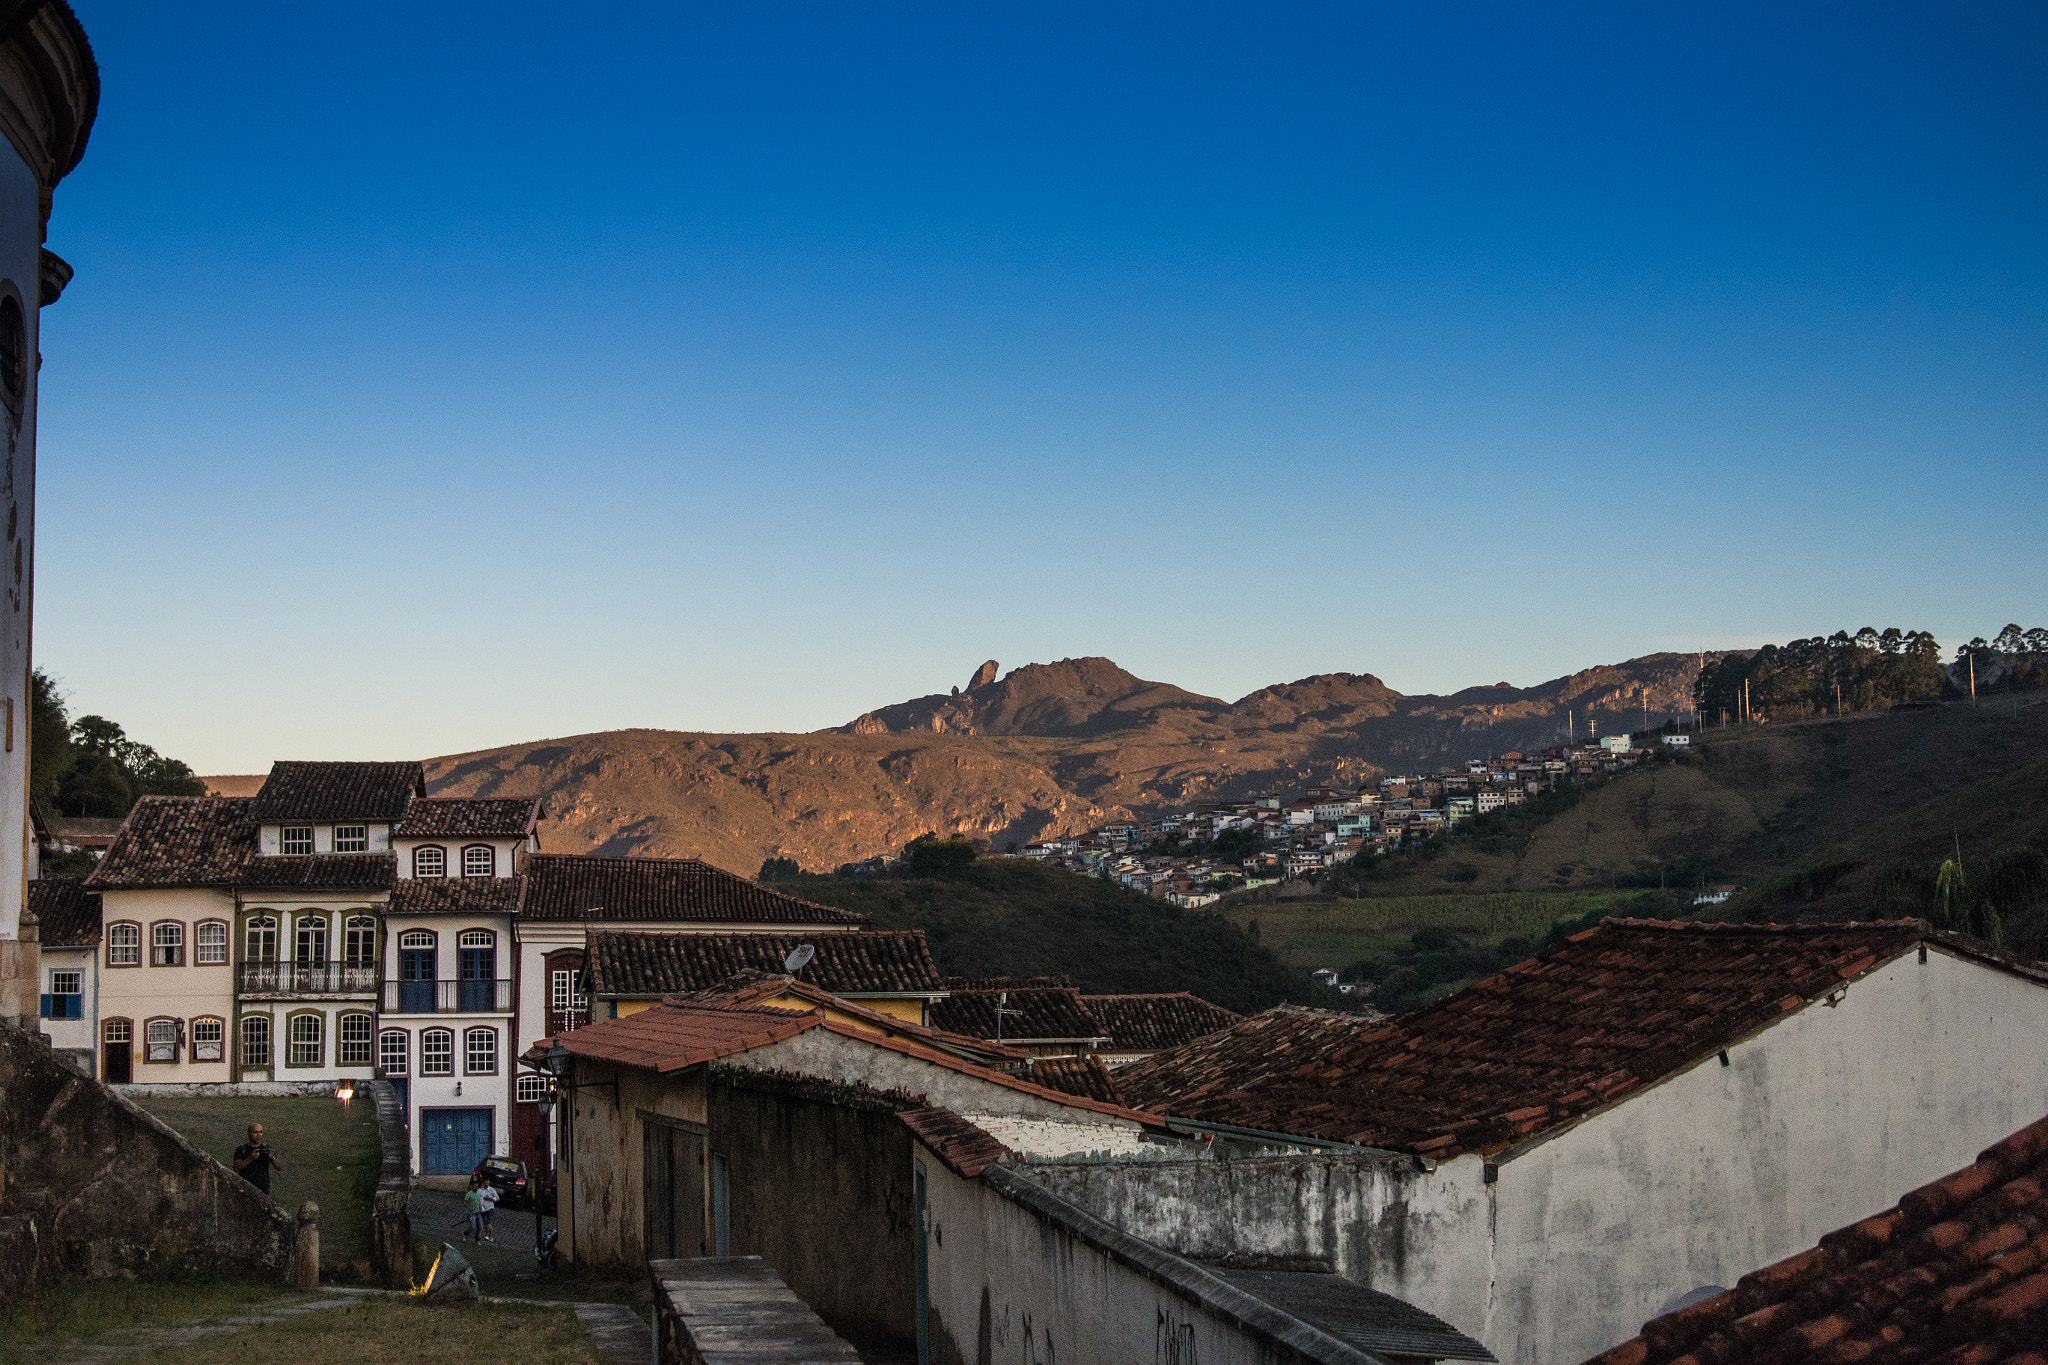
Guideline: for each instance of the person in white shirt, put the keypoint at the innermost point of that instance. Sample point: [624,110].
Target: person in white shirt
[488,1198]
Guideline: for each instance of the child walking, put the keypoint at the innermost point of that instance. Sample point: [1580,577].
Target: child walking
[487,1196]
[473,1200]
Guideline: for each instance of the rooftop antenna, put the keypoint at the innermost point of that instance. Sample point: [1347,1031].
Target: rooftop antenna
[1002,1008]
[798,957]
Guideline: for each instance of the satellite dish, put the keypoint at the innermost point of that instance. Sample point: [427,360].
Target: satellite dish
[798,956]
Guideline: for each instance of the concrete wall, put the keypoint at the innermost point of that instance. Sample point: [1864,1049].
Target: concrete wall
[1013,1281]
[1826,1117]
[821,1191]
[111,1190]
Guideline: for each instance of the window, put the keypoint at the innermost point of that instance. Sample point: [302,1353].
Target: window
[359,941]
[255,1040]
[124,945]
[206,1041]
[477,938]
[262,938]
[167,944]
[312,940]
[210,942]
[351,838]
[391,1052]
[118,1031]
[65,999]
[65,983]
[304,1045]
[437,1052]
[479,860]
[480,1052]
[530,1088]
[297,840]
[160,1040]
[566,992]
[355,1040]
[430,862]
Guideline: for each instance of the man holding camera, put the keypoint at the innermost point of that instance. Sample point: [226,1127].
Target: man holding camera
[254,1161]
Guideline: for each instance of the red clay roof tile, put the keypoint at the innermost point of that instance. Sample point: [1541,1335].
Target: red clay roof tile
[567,887]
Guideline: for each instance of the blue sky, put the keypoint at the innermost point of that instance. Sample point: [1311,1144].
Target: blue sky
[502,372]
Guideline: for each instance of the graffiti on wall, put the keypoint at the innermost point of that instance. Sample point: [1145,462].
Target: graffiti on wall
[1173,1340]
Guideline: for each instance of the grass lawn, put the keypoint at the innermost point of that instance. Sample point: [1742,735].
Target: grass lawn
[330,1153]
[31,1329]
[1336,933]
[390,1331]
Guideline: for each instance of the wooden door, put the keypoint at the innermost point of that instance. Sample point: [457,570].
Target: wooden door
[673,1178]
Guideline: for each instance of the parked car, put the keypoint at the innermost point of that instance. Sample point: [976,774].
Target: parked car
[509,1176]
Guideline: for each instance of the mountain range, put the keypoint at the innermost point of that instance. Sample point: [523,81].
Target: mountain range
[1044,749]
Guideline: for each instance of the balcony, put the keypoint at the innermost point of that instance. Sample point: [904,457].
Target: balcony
[448,997]
[307,978]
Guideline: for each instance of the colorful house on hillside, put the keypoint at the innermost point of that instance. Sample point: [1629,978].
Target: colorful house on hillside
[889,971]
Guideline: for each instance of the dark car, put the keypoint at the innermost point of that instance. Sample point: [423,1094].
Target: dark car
[509,1178]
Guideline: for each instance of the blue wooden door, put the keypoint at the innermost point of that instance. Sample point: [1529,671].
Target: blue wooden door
[452,1141]
[416,981]
[478,969]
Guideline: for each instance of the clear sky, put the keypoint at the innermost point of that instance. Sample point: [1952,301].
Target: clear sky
[437,377]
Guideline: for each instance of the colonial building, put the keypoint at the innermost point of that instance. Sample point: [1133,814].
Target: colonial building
[49,95]
[341,924]
[890,971]
[68,919]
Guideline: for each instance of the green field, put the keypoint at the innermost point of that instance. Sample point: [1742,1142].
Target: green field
[330,1151]
[1308,934]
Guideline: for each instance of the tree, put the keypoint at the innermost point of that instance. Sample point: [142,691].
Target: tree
[930,856]
[89,767]
[779,870]
[50,755]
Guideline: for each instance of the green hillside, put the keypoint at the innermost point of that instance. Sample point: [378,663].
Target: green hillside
[1012,917]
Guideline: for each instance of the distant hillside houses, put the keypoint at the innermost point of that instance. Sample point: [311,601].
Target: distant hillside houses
[1267,838]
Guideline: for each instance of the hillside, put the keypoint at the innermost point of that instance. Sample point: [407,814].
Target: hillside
[1047,748]
[1012,917]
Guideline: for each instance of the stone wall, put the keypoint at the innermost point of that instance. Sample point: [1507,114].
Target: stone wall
[94,1186]
[820,1190]
[390,1222]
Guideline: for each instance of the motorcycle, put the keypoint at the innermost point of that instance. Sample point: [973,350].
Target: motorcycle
[544,1249]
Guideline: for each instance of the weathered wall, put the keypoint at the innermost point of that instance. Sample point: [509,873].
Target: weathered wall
[113,1190]
[390,1215]
[1010,1282]
[1381,1219]
[600,1192]
[1823,1119]
[821,1191]
[1826,1117]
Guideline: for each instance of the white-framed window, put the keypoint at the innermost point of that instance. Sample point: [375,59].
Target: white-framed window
[359,941]
[206,1040]
[416,938]
[262,938]
[479,860]
[529,1088]
[66,982]
[480,1052]
[437,1052]
[124,945]
[565,993]
[355,1040]
[305,1044]
[167,944]
[297,840]
[255,1040]
[210,942]
[351,838]
[430,862]
[393,1051]
[160,1040]
[477,938]
[310,931]
[117,1031]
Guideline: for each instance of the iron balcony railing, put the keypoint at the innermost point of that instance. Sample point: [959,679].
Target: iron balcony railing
[307,978]
[448,997]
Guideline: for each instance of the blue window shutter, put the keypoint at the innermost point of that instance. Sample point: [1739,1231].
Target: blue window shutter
[47,1000]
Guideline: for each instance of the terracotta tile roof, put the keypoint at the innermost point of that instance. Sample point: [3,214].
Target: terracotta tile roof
[1956,1271]
[1049,1012]
[1138,1023]
[669,1037]
[852,962]
[1003,983]
[338,791]
[69,914]
[964,1148]
[456,896]
[567,887]
[1606,1012]
[751,986]
[448,817]
[363,871]
[179,841]
[1075,1076]
[1374,1322]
